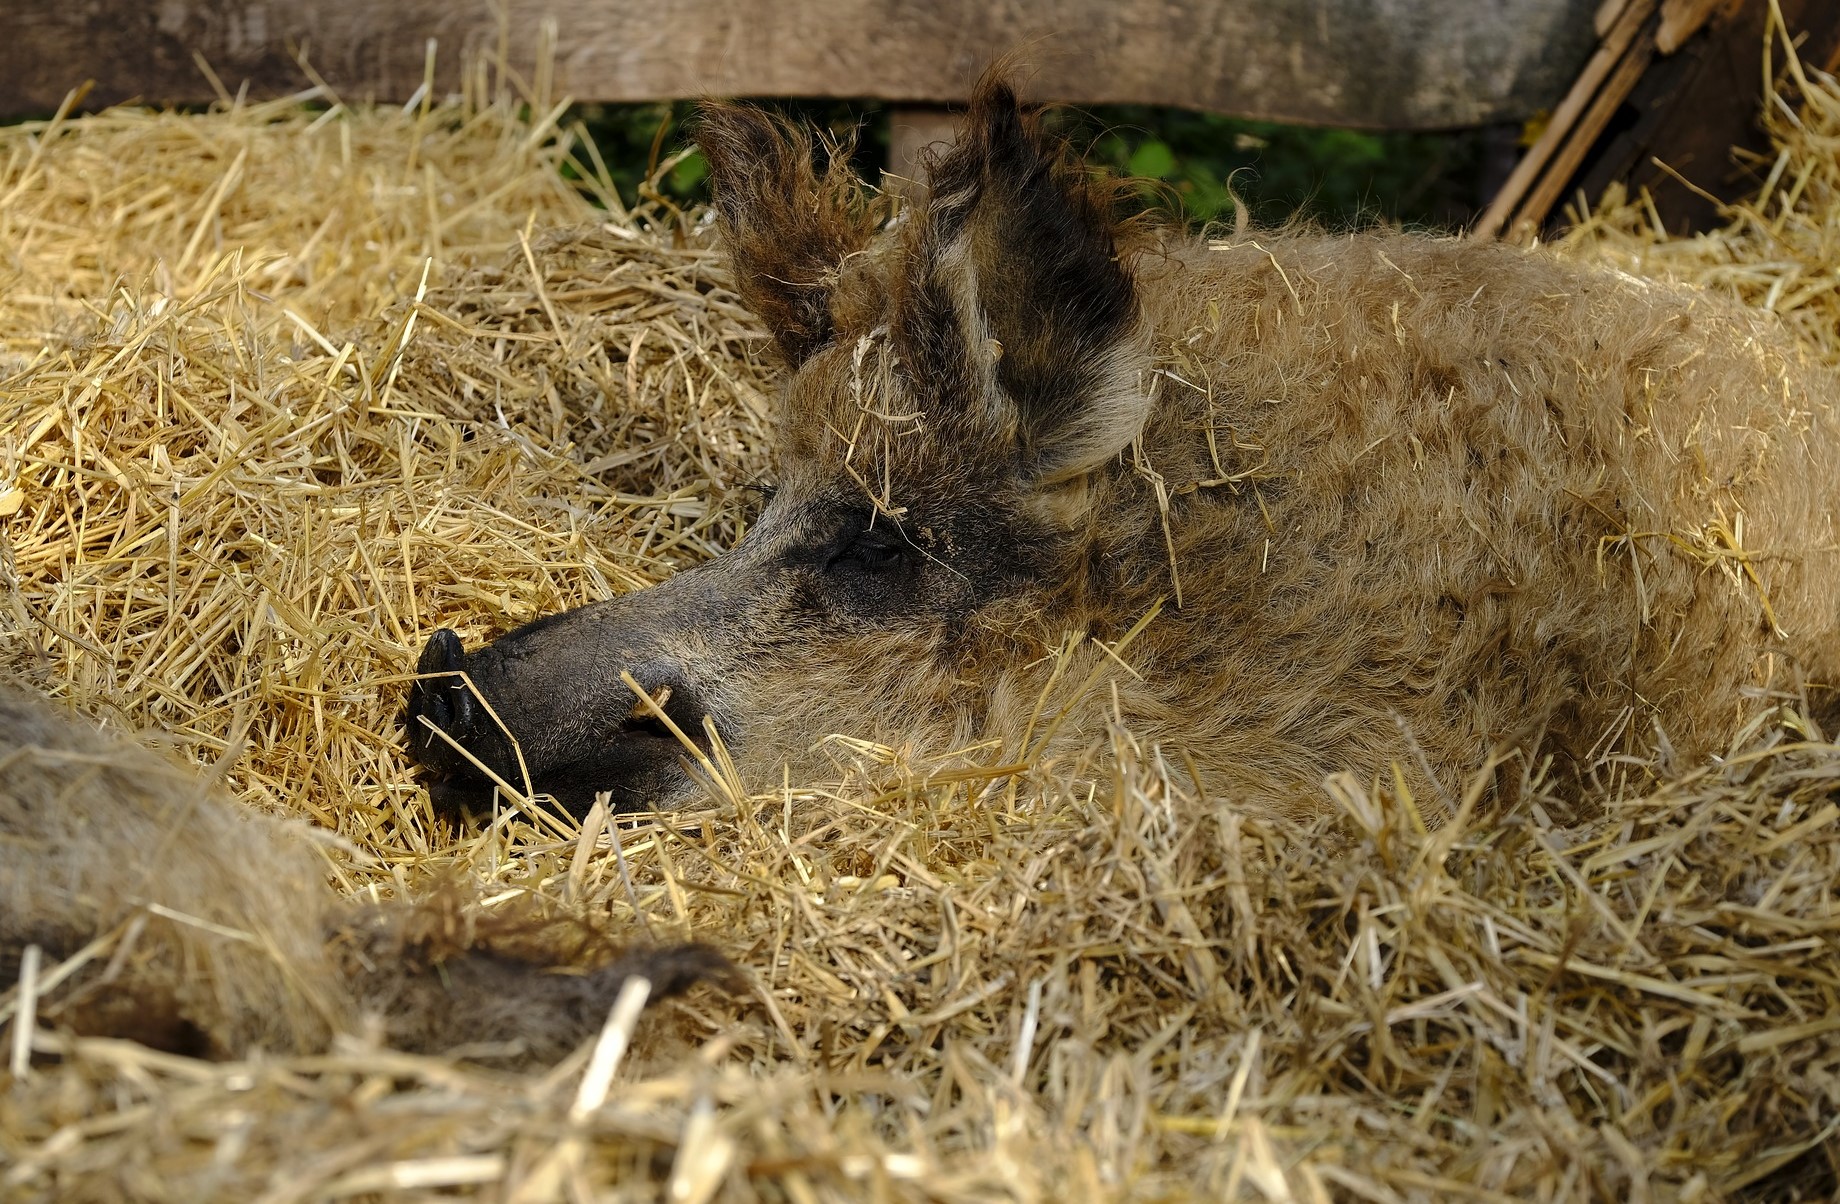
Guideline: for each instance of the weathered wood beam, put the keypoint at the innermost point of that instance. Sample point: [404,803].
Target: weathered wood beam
[1698,110]
[1667,104]
[1384,64]
[912,130]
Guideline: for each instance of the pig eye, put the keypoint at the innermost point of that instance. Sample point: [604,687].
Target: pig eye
[872,551]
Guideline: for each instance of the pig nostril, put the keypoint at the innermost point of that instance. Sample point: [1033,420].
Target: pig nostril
[650,727]
[443,654]
[463,711]
[442,696]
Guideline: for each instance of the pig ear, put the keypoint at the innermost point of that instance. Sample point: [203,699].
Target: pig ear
[1016,250]
[788,221]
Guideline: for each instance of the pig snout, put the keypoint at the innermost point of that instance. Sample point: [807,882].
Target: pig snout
[440,694]
[546,713]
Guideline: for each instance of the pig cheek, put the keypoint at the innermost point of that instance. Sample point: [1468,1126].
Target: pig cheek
[744,662]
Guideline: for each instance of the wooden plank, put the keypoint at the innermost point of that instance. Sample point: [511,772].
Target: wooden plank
[1667,125]
[1681,19]
[1608,13]
[1621,25]
[1388,64]
[912,129]
[1542,198]
[1691,110]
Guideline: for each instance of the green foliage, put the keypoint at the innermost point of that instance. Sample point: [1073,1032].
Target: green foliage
[1208,165]
[1152,159]
[1202,164]
[687,177]
[636,140]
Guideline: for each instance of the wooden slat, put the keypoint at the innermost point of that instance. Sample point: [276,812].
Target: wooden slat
[1607,68]
[1672,89]
[1401,64]
[1571,154]
[1681,19]
[1607,14]
[1692,109]
[912,129]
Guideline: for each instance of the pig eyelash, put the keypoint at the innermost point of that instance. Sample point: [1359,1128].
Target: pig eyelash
[865,551]
[870,554]
[874,546]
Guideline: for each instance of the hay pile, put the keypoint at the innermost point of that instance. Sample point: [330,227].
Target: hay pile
[1780,248]
[244,471]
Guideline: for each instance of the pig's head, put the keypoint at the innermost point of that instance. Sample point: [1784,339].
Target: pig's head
[955,380]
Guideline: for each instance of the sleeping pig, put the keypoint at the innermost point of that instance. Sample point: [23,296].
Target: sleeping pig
[1287,503]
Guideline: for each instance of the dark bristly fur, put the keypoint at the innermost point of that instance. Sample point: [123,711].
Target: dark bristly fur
[229,937]
[1061,303]
[788,267]
[1407,504]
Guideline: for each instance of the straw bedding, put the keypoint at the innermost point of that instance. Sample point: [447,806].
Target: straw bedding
[282,388]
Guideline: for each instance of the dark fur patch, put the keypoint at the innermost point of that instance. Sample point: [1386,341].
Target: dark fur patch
[787,223]
[524,975]
[1038,238]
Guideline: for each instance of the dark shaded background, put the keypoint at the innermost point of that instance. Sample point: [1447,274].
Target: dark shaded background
[1197,162]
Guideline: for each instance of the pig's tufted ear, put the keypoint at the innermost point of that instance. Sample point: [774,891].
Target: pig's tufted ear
[788,221]
[1015,280]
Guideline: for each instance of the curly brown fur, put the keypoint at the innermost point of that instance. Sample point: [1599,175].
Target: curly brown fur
[220,934]
[1407,504]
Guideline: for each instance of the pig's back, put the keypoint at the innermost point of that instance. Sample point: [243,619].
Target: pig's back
[1503,497]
